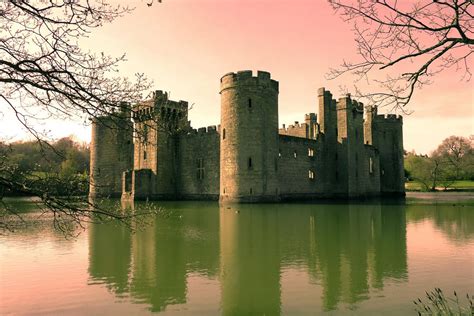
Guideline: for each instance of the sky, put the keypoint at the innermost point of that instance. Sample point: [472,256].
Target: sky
[185,46]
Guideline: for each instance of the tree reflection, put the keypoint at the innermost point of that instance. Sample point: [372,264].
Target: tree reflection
[455,221]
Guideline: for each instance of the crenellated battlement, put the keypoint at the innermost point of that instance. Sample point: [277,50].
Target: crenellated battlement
[212,129]
[160,105]
[246,78]
[390,118]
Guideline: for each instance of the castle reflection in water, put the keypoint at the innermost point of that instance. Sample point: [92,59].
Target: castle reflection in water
[345,249]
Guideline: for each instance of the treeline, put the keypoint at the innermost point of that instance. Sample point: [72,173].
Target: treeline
[452,161]
[58,168]
[65,156]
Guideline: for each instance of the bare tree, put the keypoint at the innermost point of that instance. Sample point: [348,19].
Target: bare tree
[45,74]
[406,43]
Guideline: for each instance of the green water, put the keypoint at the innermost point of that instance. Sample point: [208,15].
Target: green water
[202,258]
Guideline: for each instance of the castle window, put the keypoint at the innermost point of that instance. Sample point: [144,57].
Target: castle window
[310,152]
[279,154]
[311,174]
[251,192]
[294,154]
[250,163]
[200,169]
[336,131]
[250,103]
[371,166]
[145,133]
[223,133]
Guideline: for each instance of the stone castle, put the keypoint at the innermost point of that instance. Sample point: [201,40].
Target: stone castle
[151,151]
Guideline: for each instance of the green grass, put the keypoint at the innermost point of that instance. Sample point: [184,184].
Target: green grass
[457,185]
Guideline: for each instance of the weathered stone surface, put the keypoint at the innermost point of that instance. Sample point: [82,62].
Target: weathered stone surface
[334,154]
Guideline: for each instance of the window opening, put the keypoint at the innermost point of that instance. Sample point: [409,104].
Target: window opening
[310,152]
[371,166]
[223,133]
[250,163]
[250,103]
[294,154]
[311,175]
[200,168]
[144,155]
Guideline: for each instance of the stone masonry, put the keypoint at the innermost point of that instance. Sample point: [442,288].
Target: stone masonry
[338,152]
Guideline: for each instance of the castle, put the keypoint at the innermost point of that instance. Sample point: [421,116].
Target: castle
[336,153]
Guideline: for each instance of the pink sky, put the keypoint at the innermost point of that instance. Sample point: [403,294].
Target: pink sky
[185,46]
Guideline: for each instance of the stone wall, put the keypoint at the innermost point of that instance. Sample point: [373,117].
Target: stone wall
[299,168]
[249,141]
[335,154]
[388,132]
[198,164]
[111,153]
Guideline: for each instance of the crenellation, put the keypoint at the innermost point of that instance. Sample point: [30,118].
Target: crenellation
[337,152]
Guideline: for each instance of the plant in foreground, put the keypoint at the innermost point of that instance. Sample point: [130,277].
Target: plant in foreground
[439,304]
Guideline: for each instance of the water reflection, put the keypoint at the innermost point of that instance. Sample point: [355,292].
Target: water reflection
[346,249]
[455,220]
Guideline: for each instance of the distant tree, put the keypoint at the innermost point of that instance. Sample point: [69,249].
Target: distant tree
[422,169]
[45,74]
[404,44]
[456,153]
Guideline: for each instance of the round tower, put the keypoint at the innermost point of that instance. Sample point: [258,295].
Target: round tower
[249,137]
[111,153]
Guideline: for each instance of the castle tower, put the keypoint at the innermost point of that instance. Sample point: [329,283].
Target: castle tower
[157,122]
[388,138]
[111,152]
[249,137]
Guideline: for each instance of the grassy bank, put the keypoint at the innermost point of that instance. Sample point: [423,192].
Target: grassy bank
[463,185]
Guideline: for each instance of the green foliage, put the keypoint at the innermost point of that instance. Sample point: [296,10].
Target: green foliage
[453,160]
[64,156]
[439,304]
[59,169]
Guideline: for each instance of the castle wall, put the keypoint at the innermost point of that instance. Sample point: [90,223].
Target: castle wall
[330,176]
[198,164]
[335,154]
[389,136]
[111,153]
[298,172]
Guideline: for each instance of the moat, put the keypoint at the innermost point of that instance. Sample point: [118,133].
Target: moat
[202,258]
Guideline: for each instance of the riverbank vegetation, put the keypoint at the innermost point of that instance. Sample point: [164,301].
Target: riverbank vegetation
[62,166]
[449,167]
